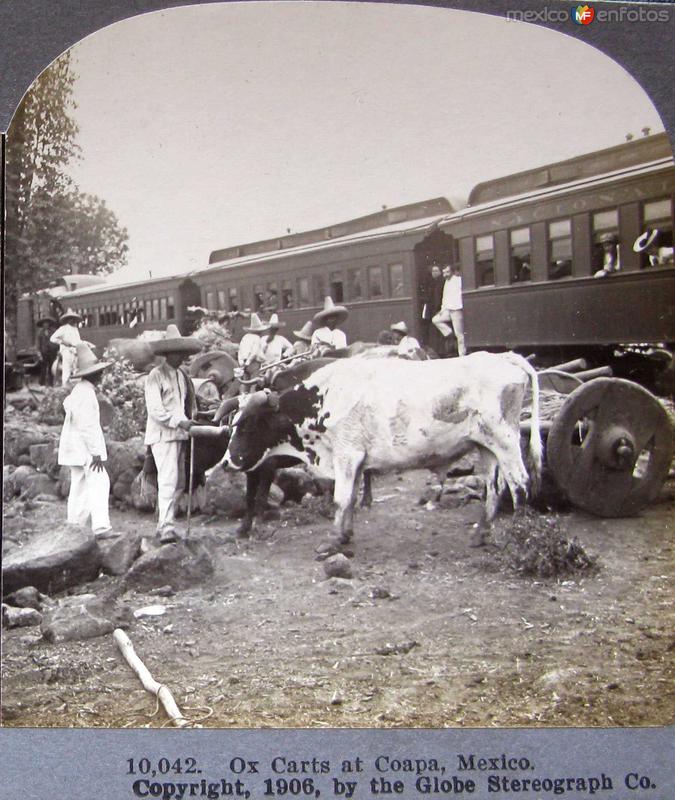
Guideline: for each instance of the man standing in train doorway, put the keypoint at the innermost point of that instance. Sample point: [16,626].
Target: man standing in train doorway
[170,403]
[452,307]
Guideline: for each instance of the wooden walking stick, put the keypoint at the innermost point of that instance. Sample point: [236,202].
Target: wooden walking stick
[191,481]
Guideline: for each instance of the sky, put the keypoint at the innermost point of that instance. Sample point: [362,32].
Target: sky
[209,126]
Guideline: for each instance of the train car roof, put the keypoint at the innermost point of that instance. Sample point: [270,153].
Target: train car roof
[559,189]
[597,162]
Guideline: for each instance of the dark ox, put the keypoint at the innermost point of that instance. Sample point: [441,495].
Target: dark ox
[383,414]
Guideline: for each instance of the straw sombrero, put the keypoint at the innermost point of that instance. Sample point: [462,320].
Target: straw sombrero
[173,342]
[645,240]
[256,325]
[70,314]
[305,333]
[331,310]
[399,327]
[274,322]
[87,363]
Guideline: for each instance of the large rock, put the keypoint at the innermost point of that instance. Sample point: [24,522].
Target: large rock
[124,457]
[27,597]
[180,565]
[44,457]
[21,475]
[84,617]
[295,483]
[225,494]
[64,482]
[39,484]
[18,439]
[121,489]
[119,551]
[8,488]
[52,560]
[143,492]
[13,617]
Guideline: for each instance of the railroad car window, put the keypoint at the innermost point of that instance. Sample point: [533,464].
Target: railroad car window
[170,308]
[336,286]
[606,251]
[272,300]
[657,215]
[221,300]
[354,286]
[258,297]
[162,308]
[375,288]
[485,260]
[396,288]
[560,249]
[287,294]
[520,255]
[233,299]
[155,309]
[148,310]
[319,289]
[303,292]
[211,301]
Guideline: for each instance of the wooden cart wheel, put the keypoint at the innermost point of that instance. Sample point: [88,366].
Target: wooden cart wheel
[217,365]
[610,447]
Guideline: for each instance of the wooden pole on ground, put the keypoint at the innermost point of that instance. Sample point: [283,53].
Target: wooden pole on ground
[160,691]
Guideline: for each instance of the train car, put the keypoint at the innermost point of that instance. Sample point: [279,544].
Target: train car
[531,250]
[530,245]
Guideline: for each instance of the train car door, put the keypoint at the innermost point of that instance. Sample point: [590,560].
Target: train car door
[436,249]
[189,294]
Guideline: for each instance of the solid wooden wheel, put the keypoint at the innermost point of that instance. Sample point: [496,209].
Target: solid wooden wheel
[610,447]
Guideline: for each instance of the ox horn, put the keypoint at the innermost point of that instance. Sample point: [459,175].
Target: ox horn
[258,400]
[227,406]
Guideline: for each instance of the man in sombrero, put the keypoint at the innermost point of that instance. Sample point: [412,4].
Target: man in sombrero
[48,350]
[303,339]
[82,446]
[169,400]
[250,354]
[274,345]
[67,336]
[655,250]
[327,336]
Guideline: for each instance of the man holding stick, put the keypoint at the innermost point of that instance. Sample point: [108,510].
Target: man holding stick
[170,403]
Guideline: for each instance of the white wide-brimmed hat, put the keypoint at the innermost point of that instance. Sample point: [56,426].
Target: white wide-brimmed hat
[87,363]
[645,239]
[173,342]
[331,310]
[274,322]
[305,333]
[399,327]
[256,326]
[69,315]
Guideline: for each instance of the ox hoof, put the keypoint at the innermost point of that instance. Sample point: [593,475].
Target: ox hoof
[244,530]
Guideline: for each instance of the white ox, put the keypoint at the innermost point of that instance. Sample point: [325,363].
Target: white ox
[383,414]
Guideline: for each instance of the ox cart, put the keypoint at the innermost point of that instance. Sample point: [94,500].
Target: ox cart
[608,441]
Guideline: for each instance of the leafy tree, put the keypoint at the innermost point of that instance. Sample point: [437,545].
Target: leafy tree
[52,228]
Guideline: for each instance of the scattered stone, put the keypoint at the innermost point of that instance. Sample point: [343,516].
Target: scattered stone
[84,617]
[390,649]
[162,591]
[119,551]
[275,496]
[338,566]
[18,439]
[13,617]
[63,482]
[39,484]
[44,457]
[124,457]
[52,560]
[121,489]
[20,475]
[181,564]
[337,585]
[225,494]
[150,611]
[26,597]
[380,593]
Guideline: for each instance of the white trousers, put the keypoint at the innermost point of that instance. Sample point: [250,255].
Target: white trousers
[456,316]
[68,359]
[170,480]
[88,497]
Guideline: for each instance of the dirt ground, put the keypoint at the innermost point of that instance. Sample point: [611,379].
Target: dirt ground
[429,633]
